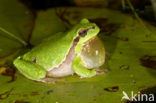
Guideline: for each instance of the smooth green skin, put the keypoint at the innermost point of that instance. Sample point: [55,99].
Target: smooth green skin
[53,50]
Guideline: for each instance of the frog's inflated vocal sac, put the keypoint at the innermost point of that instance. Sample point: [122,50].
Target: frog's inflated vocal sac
[78,50]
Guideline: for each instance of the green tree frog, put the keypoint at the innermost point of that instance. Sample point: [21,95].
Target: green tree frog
[78,50]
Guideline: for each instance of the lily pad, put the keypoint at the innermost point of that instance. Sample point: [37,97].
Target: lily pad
[129,46]
[16,19]
[47,23]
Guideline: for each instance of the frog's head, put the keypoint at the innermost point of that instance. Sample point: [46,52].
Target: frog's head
[86,31]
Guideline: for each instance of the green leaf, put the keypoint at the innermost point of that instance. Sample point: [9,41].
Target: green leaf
[16,19]
[47,23]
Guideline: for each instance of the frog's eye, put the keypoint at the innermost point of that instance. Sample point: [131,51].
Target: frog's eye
[93,27]
[83,32]
[34,60]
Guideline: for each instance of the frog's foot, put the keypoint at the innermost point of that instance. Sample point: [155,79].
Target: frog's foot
[80,70]
[101,71]
[51,80]
[30,69]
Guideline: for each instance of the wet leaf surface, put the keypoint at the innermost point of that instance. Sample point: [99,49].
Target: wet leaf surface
[129,57]
[17,19]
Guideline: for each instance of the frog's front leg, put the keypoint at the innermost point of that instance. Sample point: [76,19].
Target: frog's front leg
[30,69]
[81,70]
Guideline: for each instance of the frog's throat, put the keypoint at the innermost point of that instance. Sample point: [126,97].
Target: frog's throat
[67,62]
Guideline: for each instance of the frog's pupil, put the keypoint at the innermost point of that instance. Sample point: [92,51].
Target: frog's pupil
[93,27]
[34,60]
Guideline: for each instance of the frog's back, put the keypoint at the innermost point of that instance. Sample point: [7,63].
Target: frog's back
[51,52]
